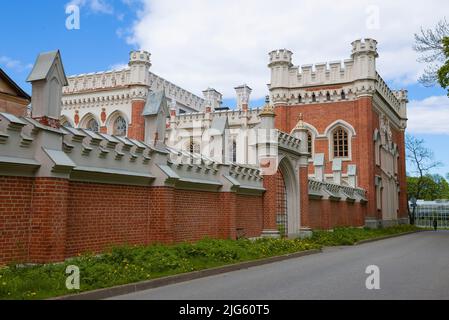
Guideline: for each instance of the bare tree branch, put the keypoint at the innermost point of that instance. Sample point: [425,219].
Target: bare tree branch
[428,42]
[421,158]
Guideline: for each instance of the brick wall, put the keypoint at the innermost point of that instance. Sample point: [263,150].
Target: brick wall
[15,209]
[327,214]
[248,216]
[48,219]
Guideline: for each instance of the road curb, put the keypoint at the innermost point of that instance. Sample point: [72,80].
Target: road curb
[386,237]
[150,284]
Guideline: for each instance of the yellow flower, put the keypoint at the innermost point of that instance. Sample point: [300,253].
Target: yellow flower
[4,283]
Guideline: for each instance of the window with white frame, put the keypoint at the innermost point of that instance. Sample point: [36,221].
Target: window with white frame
[340,143]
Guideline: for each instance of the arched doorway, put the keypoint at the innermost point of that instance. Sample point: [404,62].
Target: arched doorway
[287,199]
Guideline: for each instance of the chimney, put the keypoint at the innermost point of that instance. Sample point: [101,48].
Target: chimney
[213,98]
[47,79]
[243,93]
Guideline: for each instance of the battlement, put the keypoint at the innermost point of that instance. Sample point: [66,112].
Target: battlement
[367,46]
[121,79]
[281,56]
[140,57]
[401,95]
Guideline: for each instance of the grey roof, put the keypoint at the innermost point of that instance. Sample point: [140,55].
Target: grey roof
[43,65]
[155,101]
[219,124]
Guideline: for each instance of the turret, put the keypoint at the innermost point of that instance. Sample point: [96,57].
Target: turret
[280,62]
[140,63]
[364,55]
[243,93]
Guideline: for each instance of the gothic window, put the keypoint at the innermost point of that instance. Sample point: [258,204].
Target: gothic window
[340,143]
[234,151]
[299,99]
[92,125]
[343,95]
[120,126]
[328,96]
[313,97]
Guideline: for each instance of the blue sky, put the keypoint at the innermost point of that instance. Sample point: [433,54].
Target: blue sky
[222,44]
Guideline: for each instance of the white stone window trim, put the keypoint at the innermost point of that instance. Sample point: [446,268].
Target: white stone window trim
[110,121]
[329,134]
[87,118]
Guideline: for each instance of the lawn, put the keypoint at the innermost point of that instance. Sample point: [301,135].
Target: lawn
[138,263]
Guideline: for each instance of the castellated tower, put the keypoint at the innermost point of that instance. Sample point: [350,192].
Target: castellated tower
[139,63]
[280,62]
[354,123]
[364,55]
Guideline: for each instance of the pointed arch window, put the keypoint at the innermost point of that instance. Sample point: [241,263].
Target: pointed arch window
[328,96]
[313,97]
[120,127]
[299,99]
[343,95]
[340,143]
[92,125]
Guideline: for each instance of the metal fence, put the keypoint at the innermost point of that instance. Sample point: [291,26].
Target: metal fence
[427,211]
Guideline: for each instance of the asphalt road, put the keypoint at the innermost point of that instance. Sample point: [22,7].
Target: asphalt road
[414,266]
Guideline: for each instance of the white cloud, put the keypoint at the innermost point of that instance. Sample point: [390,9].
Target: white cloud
[224,43]
[429,116]
[13,64]
[95,6]
[118,66]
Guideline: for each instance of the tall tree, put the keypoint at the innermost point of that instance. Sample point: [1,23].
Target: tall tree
[422,161]
[443,72]
[429,44]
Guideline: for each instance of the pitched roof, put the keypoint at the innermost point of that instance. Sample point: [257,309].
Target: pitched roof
[15,86]
[43,65]
[155,101]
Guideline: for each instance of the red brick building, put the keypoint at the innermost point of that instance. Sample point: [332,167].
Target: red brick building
[351,115]
[331,154]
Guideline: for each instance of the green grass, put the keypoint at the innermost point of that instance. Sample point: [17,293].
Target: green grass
[132,264]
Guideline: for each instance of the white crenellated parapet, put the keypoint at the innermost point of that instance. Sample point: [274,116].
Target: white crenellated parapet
[334,81]
[102,85]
